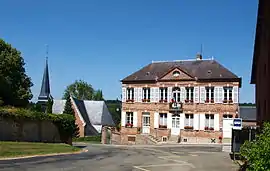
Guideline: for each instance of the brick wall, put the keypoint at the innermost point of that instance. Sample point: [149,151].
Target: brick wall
[78,121]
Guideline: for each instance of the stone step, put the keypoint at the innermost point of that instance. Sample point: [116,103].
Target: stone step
[226,148]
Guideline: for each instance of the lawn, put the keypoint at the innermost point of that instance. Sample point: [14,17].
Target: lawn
[15,149]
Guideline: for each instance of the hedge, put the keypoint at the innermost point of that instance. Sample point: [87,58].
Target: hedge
[88,138]
[64,122]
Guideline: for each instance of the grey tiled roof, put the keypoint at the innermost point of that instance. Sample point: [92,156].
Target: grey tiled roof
[93,112]
[202,69]
[248,113]
[98,113]
[58,106]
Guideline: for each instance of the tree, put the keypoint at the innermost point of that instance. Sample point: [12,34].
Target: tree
[80,90]
[49,105]
[68,106]
[257,152]
[14,83]
[98,95]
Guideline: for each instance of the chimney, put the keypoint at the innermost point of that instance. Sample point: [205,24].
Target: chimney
[199,56]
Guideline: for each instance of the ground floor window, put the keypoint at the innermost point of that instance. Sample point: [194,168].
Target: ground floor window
[189,121]
[209,122]
[129,118]
[163,120]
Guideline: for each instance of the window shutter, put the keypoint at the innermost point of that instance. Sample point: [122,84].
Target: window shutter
[202,94]
[169,94]
[196,121]
[221,94]
[169,120]
[135,119]
[235,94]
[123,119]
[183,94]
[157,94]
[196,95]
[152,94]
[135,94]
[202,121]
[216,95]
[156,118]
[182,121]
[124,90]
[216,122]
[139,98]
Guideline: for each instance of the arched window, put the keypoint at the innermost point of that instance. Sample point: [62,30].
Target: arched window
[176,94]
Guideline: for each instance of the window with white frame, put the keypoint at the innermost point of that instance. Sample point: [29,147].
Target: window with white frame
[163,94]
[176,94]
[146,94]
[209,94]
[130,94]
[227,116]
[129,118]
[209,121]
[189,94]
[189,121]
[227,94]
[163,120]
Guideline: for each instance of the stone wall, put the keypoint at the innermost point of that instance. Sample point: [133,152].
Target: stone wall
[30,131]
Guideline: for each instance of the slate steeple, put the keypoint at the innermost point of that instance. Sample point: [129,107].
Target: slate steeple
[45,92]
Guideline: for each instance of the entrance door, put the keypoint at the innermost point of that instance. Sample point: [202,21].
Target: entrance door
[146,123]
[227,127]
[175,124]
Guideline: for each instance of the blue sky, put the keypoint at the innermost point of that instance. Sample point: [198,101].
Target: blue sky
[101,42]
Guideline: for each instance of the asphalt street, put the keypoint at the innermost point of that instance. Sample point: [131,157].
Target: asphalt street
[130,158]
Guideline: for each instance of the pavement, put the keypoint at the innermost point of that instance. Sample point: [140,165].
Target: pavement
[130,158]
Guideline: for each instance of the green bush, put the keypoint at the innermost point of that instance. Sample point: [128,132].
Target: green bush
[64,122]
[89,138]
[257,152]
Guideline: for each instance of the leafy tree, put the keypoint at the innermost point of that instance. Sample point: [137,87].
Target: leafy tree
[98,95]
[80,90]
[14,83]
[49,105]
[68,106]
[257,152]
[114,106]
[34,107]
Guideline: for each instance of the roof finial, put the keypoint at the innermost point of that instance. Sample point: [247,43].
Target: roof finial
[201,49]
[47,51]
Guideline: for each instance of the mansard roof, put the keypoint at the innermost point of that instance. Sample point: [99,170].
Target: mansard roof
[199,70]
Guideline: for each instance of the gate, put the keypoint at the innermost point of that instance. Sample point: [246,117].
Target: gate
[240,136]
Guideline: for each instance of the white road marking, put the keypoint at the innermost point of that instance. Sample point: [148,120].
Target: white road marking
[137,167]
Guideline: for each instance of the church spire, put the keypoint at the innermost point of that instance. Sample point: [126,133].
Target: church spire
[45,92]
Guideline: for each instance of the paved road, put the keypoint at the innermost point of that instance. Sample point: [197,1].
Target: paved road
[144,158]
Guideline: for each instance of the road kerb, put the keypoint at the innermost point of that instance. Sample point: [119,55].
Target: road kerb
[44,155]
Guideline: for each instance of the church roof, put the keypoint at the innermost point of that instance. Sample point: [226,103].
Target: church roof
[45,92]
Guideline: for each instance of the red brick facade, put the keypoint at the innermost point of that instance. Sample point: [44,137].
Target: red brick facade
[188,108]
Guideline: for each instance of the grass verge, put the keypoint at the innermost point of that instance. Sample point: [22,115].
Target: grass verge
[19,149]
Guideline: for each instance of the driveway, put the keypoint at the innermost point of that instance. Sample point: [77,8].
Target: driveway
[130,158]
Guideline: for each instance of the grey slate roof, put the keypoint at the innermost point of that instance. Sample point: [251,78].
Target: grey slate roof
[248,113]
[201,69]
[93,112]
[45,92]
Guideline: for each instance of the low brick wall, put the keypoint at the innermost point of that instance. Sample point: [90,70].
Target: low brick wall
[31,131]
[200,136]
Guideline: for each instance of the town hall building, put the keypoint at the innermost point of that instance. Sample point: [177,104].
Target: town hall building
[185,100]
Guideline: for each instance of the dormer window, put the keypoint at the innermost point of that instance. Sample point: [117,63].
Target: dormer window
[176,73]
